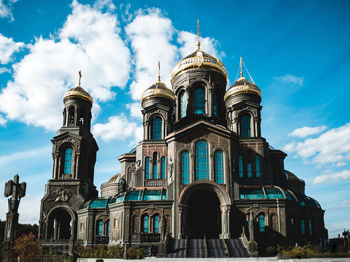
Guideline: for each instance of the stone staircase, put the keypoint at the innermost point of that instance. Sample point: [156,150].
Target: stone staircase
[203,248]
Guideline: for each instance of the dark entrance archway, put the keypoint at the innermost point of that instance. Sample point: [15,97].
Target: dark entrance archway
[59,225]
[204,215]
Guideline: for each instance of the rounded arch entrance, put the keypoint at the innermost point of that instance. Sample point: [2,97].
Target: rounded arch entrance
[204,210]
[60,224]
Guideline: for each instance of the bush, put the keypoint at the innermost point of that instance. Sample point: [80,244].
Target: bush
[26,247]
[136,253]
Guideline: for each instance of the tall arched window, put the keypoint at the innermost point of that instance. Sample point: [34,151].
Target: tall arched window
[202,160]
[261,222]
[302,224]
[183,104]
[155,167]
[240,166]
[68,156]
[162,167]
[310,227]
[185,168]
[257,166]
[215,105]
[219,167]
[156,224]
[147,168]
[99,228]
[199,101]
[107,228]
[245,126]
[156,128]
[145,220]
[249,169]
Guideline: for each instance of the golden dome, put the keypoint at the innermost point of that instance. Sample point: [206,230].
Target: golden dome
[78,92]
[199,59]
[158,89]
[242,85]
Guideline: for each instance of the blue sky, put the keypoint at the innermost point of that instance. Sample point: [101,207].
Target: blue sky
[298,53]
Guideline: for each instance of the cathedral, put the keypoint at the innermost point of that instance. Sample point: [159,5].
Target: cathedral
[202,175]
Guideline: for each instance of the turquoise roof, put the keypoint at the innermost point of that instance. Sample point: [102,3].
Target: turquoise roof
[133,195]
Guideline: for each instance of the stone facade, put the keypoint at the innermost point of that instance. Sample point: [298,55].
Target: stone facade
[202,170]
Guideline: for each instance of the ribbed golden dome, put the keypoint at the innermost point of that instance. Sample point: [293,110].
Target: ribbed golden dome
[158,89]
[242,85]
[199,59]
[78,92]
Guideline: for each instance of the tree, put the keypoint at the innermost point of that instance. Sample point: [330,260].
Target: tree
[26,247]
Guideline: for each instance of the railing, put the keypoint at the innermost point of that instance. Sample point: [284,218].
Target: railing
[156,183]
[151,237]
[102,240]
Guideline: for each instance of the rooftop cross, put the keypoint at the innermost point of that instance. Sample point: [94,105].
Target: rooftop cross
[79,78]
[158,71]
[198,42]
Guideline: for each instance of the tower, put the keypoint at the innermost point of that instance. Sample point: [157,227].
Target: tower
[74,155]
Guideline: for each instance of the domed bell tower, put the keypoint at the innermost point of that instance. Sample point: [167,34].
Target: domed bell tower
[242,101]
[157,103]
[74,156]
[199,83]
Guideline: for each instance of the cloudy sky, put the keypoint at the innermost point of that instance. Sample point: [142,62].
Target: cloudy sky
[298,53]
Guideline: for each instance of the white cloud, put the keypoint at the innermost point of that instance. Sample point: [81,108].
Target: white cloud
[7,48]
[4,70]
[333,177]
[89,41]
[188,42]
[5,159]
[135,110]
[307,131]
[5,10]
[150,34]
[2,121]
[331,147]
[117,128]
[290,79]
[345,202]
[102,4]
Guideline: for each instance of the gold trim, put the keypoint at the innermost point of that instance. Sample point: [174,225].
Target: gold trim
[158,92]
[78,93]
[234,90]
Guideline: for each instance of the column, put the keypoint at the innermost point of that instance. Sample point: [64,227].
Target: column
[225,222]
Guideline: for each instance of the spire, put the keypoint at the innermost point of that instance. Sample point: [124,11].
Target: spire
[198,42]
[158,71]
[79,78]
[240,66]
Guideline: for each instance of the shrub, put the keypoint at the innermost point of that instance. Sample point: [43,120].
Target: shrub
[135,253]
[26,247]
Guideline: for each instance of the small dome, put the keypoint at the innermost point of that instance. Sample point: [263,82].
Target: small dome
[242,85]
[199,59]
[158,89]
[78,92]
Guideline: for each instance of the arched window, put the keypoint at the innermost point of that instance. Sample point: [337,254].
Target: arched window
[302,224]
[199,101]
[310,227]
[145,220]
[249,169]
[68,156]
[240,166]
[107,228]
[202,161]
[183,104]
[155,167]
[156,224]
[185,168]
[219,167]
[257,166]
[100,228]
[245,126]
[162,167]
[215,105]
[157,128]
[261,222]
[147,168]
